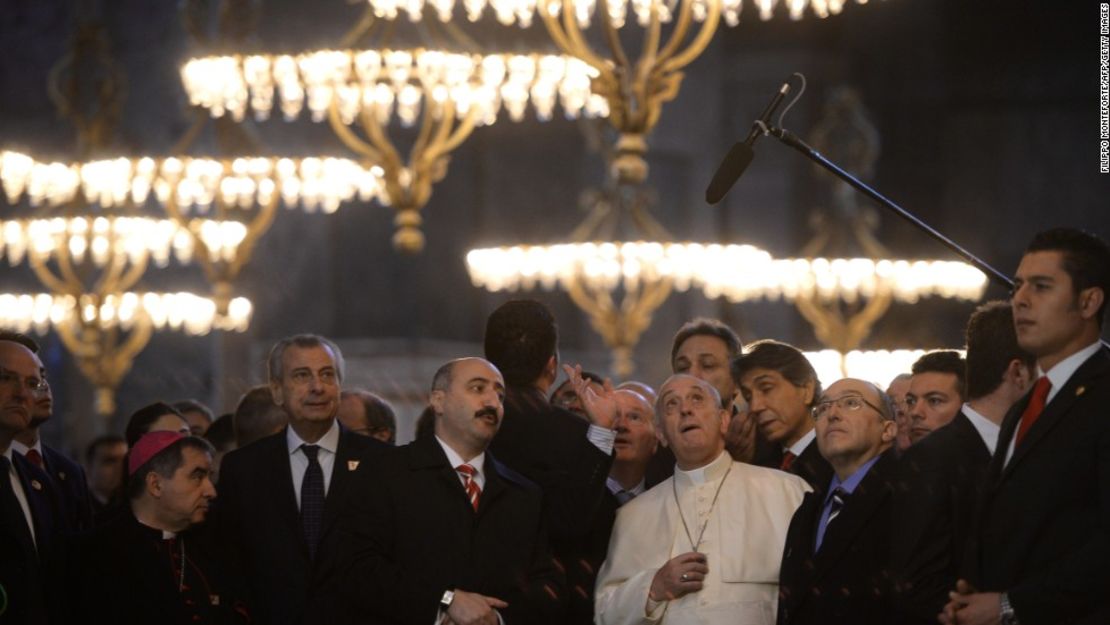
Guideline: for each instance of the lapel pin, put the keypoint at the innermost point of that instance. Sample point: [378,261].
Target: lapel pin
[35,484]
[352,465]
[61,475]
[214,599]
[1079,391]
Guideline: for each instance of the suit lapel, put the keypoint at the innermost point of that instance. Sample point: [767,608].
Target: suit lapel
[341,474]
[858,509]
[428,455]
[1065,398]
[495,485]
[284,494]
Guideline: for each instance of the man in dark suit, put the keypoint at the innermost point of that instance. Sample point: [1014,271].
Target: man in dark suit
[635,448]
[442,530]
[568,457]
[66,476]
[834,568]
[939,477]
[281,497]
[29,507]
[938,388]
[780,386]
[1040,543]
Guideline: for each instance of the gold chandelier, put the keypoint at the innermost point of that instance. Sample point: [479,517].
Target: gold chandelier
[359,92]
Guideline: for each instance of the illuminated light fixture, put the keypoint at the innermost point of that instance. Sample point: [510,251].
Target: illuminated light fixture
[104,334]
[522,12]
[219,208]
[877,366]
[362,91]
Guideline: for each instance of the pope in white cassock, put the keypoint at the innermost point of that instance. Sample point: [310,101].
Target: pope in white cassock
[703,547]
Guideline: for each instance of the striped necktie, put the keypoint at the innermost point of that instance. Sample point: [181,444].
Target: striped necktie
[473,492]
[839,495]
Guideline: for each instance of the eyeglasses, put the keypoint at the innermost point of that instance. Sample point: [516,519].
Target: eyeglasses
[11,379]
[847,403]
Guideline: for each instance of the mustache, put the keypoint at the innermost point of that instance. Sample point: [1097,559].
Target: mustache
[491,412]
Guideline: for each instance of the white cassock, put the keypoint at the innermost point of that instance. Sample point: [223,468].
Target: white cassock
[743,543]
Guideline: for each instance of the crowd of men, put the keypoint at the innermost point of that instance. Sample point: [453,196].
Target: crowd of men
[743,490]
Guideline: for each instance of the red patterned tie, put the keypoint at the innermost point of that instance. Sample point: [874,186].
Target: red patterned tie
[787,460]
[1034,409]
[472,491]
[35,457]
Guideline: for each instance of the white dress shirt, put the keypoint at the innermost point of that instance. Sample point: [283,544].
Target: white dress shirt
[478,462]
[987,429]
[17,488]
[298,462]
[800,445]
[22,449]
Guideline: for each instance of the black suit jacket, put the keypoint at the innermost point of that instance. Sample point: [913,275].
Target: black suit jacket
[121,574]
[259,526]
[934,499]
[28,569]
[548,445]
[69,480]
[412,534]
[847,581]
[812,467]
[1043,528]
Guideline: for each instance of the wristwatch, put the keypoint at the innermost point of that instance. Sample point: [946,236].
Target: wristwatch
[1006,614]
[446,599]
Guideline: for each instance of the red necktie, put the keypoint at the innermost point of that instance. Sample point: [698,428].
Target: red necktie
[1034,409]
[787,460]
[472,491]
[35,457]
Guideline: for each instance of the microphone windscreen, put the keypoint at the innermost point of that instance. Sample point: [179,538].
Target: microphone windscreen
[736,161]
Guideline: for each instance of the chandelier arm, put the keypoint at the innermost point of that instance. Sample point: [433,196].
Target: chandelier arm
[363,26]
[612,38]
[860,324]
[555,31]
[577,43]
[866,237]
[126,276]
[427,122]
[461,132]
[825,323]
[650,226]
[379,141]
[191,228]
[348,137]
[700,42]
[585,230]
[649,52]
[681,27]
[256,227]
[51,281]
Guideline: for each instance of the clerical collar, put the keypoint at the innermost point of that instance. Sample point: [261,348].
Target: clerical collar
[800,445]
[709,473]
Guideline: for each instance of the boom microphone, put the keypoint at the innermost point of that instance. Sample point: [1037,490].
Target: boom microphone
[740,156]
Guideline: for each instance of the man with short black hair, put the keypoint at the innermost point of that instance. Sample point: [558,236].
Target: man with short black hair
[282,496]
[104,466]
[781,386]
[834,569]
[145,565]
[443,531]
[940,475]
[937,390]
[1041,539]
[567,456]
